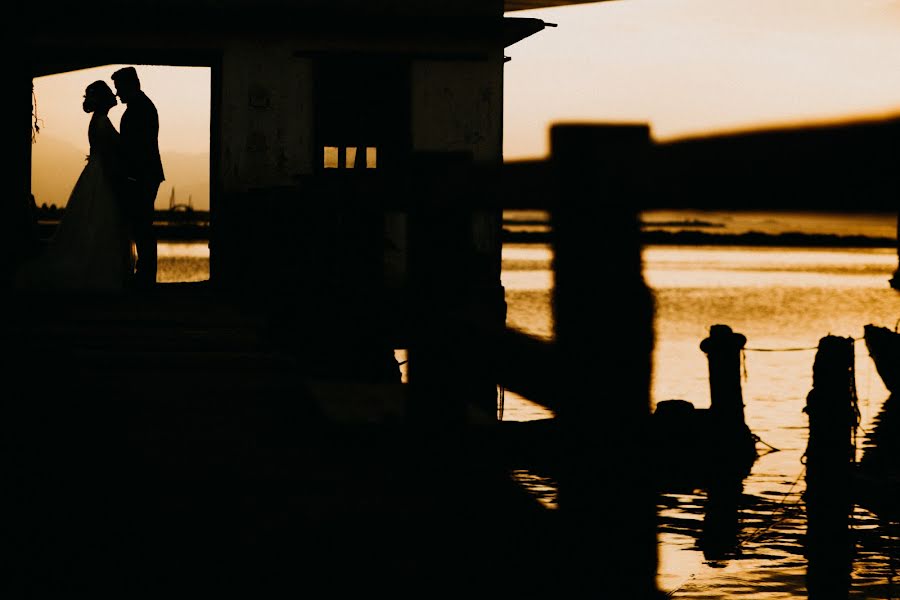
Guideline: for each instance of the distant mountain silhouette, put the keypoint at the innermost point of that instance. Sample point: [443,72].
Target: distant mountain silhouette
[56,165]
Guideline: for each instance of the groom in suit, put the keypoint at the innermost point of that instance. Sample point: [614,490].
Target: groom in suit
[141,168]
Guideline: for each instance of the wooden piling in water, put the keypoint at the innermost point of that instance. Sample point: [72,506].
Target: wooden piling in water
[829,459]
[705,447]
[723,351]
[729,435]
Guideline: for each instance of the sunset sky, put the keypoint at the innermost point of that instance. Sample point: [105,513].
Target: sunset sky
[685,67]
[692,66]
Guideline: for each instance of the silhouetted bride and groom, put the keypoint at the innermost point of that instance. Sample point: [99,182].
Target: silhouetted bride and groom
[109,215]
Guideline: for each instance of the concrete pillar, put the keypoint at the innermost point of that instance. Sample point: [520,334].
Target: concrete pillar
[449,367]
[604,331]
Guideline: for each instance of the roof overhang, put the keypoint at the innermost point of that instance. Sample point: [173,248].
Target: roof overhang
[511,5]
[58,51]
[518,29]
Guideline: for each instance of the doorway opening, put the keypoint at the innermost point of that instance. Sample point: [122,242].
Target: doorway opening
[182,95]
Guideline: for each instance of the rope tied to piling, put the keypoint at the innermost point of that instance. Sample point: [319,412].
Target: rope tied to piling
[745,350]
[779,514]
[759,440]
[800,349]
[781,507]
[856,416]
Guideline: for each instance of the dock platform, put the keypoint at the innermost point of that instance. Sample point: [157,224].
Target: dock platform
[160,446]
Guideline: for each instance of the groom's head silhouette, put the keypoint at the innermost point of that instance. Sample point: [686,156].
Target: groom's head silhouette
[127,83]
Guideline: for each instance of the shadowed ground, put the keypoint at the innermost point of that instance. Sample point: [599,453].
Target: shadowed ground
[164,446]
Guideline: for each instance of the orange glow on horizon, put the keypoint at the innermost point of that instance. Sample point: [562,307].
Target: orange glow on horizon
[696,67]
[687,68]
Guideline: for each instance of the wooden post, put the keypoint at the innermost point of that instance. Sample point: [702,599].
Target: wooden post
[730,439]
[604,334]
[829,458]
[723,351]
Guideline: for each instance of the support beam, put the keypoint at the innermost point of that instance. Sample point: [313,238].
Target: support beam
[604,331]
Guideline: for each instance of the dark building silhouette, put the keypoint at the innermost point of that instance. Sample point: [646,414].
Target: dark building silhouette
[249,433]
[356,153]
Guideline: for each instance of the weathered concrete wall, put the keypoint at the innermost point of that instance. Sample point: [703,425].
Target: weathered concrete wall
[267,146]
[267,116]
[458,106]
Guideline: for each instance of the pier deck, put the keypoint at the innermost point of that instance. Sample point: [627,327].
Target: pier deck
[160,445]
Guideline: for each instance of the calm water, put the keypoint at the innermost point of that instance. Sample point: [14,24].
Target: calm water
[784,301]
[183,261]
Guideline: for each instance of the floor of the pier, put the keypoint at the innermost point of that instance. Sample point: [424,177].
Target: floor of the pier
[156,449]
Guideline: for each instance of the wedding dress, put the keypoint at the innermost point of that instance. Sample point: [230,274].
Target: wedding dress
[91,249]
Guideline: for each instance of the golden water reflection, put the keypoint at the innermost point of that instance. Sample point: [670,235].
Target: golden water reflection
[784,300]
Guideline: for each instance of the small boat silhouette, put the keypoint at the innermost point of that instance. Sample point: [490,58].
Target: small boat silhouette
[884,348]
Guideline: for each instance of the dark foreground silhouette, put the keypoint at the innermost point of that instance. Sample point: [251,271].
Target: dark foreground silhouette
[171,446]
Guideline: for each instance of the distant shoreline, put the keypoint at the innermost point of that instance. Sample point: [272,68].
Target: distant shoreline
[167,229]
[186,231]
[752,238]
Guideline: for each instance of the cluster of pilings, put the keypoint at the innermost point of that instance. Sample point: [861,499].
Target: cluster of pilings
[713,448]
[695,446]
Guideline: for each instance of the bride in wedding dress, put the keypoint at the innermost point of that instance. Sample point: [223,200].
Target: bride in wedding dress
[91,249]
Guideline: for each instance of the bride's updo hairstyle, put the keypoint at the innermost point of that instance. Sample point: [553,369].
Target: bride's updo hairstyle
[98,96]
